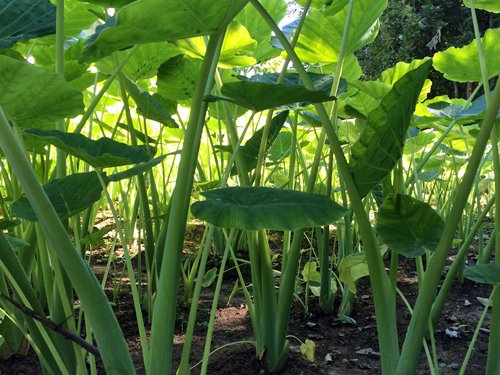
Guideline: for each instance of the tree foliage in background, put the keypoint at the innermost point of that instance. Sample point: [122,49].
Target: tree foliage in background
[418,28]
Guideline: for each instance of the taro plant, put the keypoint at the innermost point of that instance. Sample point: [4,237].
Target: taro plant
[255,209]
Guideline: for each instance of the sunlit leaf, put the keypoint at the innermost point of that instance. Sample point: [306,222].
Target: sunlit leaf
[321,36]
[144,63]
[34,98]
[488,5]
[381,144]
[146,21]
[484,273]
[462,64]
[25,19]
[101,153]
[252,208]
[409,226]
[236,51]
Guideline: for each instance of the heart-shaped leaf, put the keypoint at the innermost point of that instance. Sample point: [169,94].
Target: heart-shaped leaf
[253,208]
[409,226]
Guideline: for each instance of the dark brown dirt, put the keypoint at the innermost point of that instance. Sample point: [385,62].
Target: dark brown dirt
[353,348]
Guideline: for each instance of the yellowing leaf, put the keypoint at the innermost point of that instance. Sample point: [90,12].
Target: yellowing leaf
[308,349]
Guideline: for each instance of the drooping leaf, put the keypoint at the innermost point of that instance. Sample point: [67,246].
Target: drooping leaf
[135,170]
[252,208]
[321,36]
[281,146]
[462,64]
[148,106]
[381,144]
[34,98]
[259,94]
[102,153]
[353,267]
[308,349]
[25,19]
[409,226]
[236,51]
[251,148]
[69,196]
[177,78]
[146,21]
[488,5]
[484,273]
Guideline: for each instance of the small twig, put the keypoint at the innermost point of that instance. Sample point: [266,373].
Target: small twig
[53,326]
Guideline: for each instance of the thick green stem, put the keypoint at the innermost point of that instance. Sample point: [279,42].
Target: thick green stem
[99,314]
[164,309]
[411,347]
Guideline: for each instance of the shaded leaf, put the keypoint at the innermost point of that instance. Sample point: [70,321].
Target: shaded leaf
[32,97]
[94,237]
[102,153]
[136,170]
[484,273]
[62,193]
[209,277]
[177,78]
[25,19]
[259,94]
[252,208]
[381,144]
[148,106]
[281,146]
[409,226]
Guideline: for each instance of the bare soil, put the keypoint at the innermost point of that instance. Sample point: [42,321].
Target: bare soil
[341,348]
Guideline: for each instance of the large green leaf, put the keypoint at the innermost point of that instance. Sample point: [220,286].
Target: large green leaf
[484,273]
[144,63]
[177,78]
[102,153]
[258,28]
[261,92]
[462,64]
[488,5]
[32,97]
[110,3]
[25,19]
[321,36]
[409,226]
[146,21]
[148,106]
[236,50]
[252,208]
[281,146]
[381,145]
[69,196]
